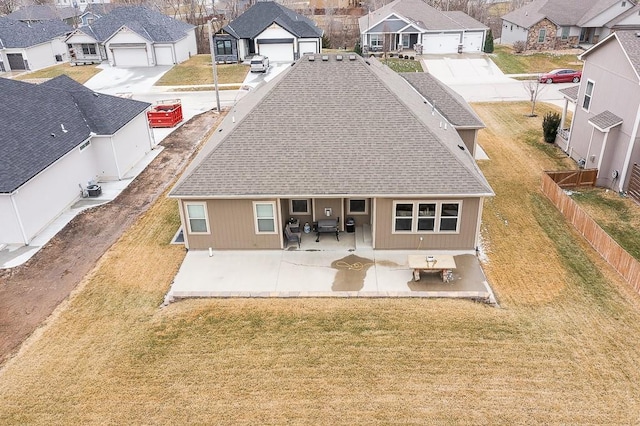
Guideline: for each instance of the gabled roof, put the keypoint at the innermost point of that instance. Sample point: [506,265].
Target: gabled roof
[446,101]
[148,23]
[560,12]
[421,14]
[262,14]
[605,121]
[35,118]
[571,92]
[629,41]
[21,34]
[100,8]
[333,128]
[105,114]
[43,12]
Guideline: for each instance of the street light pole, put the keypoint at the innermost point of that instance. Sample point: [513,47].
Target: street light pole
[213,62]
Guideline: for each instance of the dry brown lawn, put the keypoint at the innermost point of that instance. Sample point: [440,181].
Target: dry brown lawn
[198,71]
[561,349]
[79,73]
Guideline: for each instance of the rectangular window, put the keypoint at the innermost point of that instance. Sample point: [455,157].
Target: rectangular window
[376,40]
[223,47]
[358,206]
[88,49]
[541,35]
[265,217]
[426,216]
[85,145]
[588,94]
[299,206]
[565,33]
[197,218]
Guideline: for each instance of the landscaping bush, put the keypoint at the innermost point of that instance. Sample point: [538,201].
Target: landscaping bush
[550,124]
[406,56]
[411,58]
[488,43]
[519,46]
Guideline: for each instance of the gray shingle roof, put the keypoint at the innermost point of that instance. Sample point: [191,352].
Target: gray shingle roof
[32,113]
[423,15]
[262,14]
[43,12]
[560,12]
[571,92]
[605,120]
[148,23]
[105,114]
[450,104]
[20,34]
[333,128]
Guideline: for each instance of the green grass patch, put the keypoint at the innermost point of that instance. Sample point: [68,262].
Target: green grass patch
[533,138]
[540,62]
[79,73]
[403,65]
[198,70]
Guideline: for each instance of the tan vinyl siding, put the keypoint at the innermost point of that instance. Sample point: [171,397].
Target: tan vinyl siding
[319,204]
[303,218]
[231,223]
[464,240]
[360,218]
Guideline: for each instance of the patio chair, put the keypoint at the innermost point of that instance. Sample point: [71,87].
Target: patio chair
[292,236]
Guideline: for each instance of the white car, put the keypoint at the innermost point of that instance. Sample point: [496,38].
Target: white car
[259,64]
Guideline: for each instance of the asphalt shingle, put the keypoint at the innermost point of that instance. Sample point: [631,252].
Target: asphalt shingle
[350,127]
[450,104]
[262,14]
[16,34]
[560,12]
[44,122]
[605,120]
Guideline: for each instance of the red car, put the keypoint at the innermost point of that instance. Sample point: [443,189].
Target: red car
[561,76]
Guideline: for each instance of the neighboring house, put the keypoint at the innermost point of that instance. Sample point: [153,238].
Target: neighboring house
[43,12]
[133,36]
[269,29]
[402,24]
[57,137]
[95,11]
[333,136]
[81,4]
[450,105]
[562,24]
[605,130]
[31,46]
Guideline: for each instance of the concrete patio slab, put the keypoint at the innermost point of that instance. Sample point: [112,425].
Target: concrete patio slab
[322,272]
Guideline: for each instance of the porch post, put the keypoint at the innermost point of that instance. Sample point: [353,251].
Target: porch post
[604,145]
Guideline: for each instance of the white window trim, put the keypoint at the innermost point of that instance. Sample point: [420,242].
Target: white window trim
[366,206]
[255,218]
[543,34]
[593,88]
[188,219]
[438,217]
[308,200]
[562,33]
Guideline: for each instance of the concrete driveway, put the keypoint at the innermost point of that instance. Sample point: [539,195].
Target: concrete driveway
[275,68]
[114,81]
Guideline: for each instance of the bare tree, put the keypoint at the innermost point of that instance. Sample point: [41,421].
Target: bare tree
[533,88]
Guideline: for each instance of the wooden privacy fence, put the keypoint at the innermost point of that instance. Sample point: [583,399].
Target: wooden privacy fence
[608,248]
[573,178]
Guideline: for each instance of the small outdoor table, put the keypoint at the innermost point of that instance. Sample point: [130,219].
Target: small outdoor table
[443,263]
[327,226]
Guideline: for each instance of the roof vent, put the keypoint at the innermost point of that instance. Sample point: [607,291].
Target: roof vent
[638,34]
[338,57]
[325,58]
[312,58]
[352,57]
[53,135]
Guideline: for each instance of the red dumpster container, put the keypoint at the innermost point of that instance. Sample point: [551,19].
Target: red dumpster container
[167,113]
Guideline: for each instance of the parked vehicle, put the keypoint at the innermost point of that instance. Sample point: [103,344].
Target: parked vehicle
[561,76]
[259,64]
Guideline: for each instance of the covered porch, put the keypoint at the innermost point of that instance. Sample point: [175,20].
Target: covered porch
[570,95]
[86,53]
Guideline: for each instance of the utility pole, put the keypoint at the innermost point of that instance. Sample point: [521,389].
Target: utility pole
[213,62]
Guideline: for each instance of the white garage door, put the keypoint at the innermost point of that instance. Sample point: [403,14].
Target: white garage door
[164,55]
[277,52]
[472,42]
[308,47]
[441,43]
[130,57]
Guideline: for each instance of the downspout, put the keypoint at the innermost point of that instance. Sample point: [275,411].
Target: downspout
[20,224]
[586,157]
[115,158]
[632,142]
[373,222]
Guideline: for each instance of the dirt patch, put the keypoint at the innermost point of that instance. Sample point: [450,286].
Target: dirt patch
[29,293]
[351,273]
